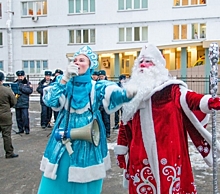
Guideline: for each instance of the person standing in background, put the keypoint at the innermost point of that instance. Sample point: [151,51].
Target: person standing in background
[55,74]
[202,34]
[7,101]
[95,76]
[46,112]
[22,106]
[102,75]
[105,115]
[122,79]
[195,35]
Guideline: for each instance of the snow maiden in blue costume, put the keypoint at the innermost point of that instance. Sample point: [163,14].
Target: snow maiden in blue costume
[78,99]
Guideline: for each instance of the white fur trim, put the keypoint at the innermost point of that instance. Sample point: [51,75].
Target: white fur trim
[106,100]
[158,88]
[48,168]
[165,84]
[77,174]
[205,134]
[120,150]
[205,120]
[208,159]
[107,162]
[46,89]
[43,163]
[88,174]
[125,181]
[149,140]
[62,100]
[204,104]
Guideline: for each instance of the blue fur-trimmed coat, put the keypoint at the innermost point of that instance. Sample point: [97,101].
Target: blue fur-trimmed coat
[88,162]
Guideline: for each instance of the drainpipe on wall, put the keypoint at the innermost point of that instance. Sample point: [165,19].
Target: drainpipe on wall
[10,76]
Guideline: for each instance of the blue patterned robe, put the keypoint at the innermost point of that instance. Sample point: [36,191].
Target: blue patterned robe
[84,170]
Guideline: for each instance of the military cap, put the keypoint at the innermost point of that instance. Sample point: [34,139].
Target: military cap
[58,71]
[95,73]
[121,77]
[20,73]
[102,72]
[48,73]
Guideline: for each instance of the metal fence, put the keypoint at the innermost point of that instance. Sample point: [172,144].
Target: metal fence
[34,81]
[197,84]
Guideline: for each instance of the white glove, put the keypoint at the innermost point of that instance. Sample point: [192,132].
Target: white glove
[131,91]
[71,71]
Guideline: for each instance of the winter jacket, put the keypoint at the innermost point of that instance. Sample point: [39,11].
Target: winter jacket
[41,85]
[7,100]
[26,89]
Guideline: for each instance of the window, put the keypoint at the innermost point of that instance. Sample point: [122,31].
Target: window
[82,36]
[34,66]
[1,39]
[198,31]
[202,28]
[0,10]
[133,34]
[188,2]
[35,38]
[132,4]
[81,6]
[180,32]
[31,8]
[1,66]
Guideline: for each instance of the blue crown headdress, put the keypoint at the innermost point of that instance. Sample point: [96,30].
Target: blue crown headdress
[87,51]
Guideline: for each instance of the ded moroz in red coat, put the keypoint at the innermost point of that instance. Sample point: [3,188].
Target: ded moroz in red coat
[156,140]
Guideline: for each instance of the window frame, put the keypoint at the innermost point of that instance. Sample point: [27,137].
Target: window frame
[1,64]
[33,38]
[127,5]
[123,37]
[35,70]
[190,30]
[199,28]
[81,8]
[35,5]
[0,10]
[180,3]
[181,35]
[77,36]
[1,39]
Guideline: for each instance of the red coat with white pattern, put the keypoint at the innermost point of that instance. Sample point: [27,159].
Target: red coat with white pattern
[157,141]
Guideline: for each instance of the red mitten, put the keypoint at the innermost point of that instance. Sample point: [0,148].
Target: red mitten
[214,103]
[121,161]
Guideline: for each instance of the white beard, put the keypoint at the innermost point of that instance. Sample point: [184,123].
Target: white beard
[145,80]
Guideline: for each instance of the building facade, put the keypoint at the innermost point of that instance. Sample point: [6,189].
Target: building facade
[40,35]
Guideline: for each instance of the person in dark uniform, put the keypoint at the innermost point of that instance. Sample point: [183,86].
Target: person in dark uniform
[22,106]
[122,79]
[7,100]
[95,76]
[46,112]
[55,74]
[105,116]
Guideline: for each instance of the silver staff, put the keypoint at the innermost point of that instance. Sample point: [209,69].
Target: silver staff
[214,57]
